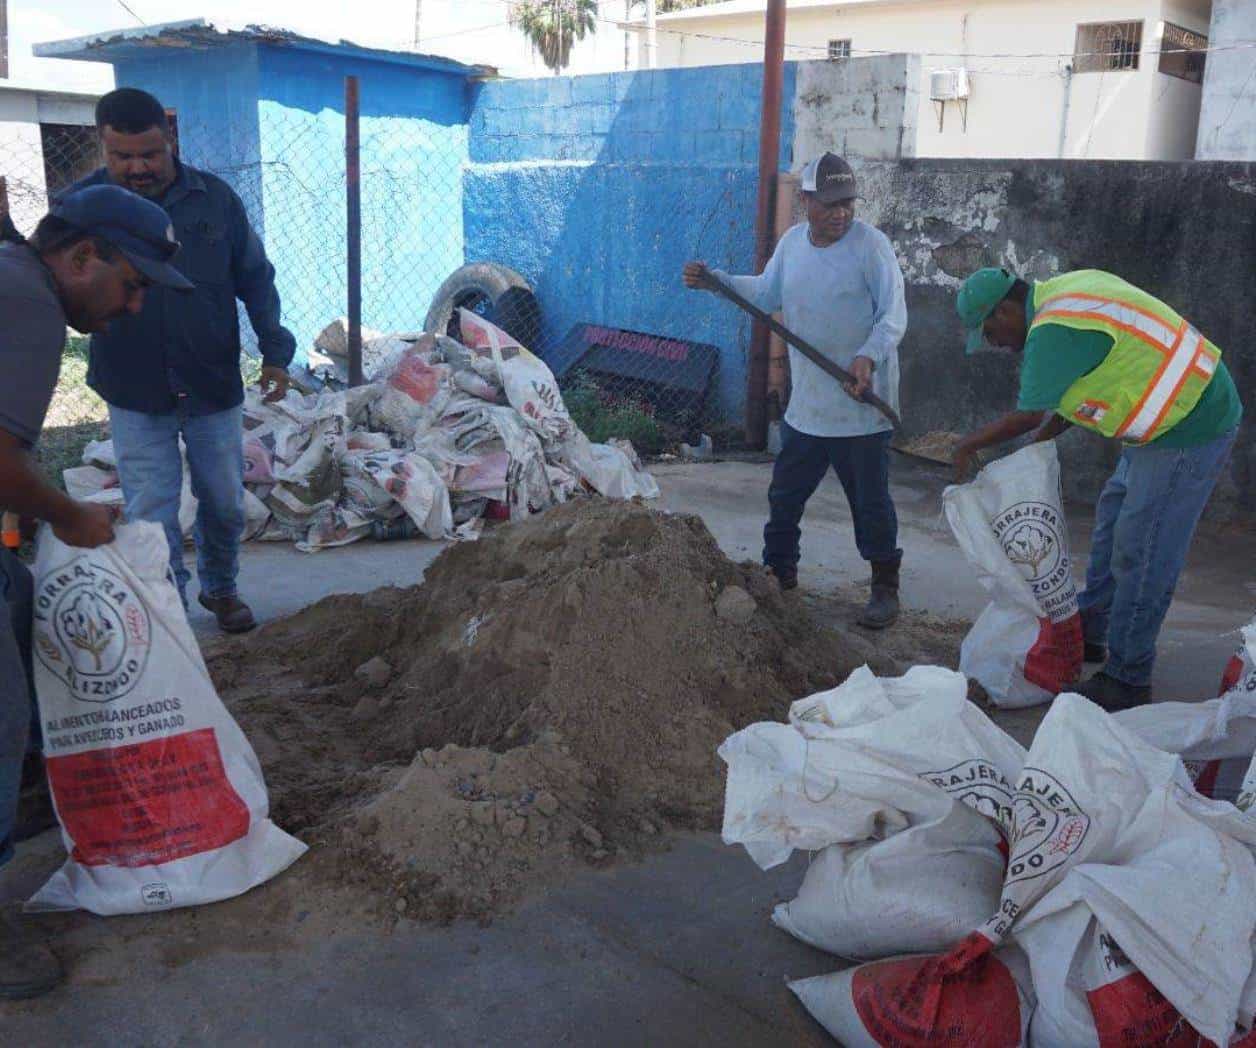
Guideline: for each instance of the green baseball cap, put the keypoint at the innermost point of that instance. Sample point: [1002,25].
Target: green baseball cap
[978,296]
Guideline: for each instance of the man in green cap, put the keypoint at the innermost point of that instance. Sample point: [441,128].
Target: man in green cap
[1099,353]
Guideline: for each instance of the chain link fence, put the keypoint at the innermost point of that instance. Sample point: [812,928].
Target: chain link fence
[622,344]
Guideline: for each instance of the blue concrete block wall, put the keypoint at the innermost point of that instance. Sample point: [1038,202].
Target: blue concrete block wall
[414,144]
[599,188]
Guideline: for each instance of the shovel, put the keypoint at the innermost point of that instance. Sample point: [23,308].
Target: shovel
[924,453]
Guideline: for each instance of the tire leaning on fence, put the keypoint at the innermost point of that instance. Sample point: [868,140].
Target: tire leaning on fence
[495,292]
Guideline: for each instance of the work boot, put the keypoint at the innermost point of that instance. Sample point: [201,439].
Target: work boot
[882,607]
[1112,694]
[1096,653]
[786,578]
[233,615]
[27,967]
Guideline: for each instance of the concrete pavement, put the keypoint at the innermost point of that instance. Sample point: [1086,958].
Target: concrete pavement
[675,950]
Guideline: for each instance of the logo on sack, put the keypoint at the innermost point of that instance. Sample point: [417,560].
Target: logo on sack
[1033,538]
[981,786]
[157,894]
[91,631]
[1049,826]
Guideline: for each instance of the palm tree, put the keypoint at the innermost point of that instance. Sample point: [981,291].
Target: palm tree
[554,26]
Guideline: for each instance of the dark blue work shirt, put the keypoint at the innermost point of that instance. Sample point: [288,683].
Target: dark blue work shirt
[187,344]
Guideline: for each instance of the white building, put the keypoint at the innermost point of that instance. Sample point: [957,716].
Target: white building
[1098,79]
[47,142]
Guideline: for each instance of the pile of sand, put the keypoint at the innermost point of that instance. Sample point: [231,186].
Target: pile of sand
[553,693]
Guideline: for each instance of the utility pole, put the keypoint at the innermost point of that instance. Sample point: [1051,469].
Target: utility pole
[418,11]
[765,215]
[4,39]
[627,32]
[651,34]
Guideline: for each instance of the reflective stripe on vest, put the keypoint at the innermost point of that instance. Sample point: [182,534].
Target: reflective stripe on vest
[1184,351]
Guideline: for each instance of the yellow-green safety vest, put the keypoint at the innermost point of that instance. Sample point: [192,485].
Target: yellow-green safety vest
[1156,371]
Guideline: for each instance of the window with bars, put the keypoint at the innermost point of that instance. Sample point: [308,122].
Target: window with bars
[1182,53]
[1105,47]
[839,49]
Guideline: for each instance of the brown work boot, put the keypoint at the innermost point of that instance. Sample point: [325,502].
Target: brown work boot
[233,615]
[882,607]
[27,967]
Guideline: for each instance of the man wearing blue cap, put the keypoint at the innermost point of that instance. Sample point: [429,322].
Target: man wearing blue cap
[173,370]
[1102,354]
[90,260]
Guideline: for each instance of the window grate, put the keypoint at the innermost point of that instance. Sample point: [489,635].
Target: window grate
[839,49]
[1106,47]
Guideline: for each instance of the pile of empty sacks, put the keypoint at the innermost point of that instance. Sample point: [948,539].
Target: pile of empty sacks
[443,435]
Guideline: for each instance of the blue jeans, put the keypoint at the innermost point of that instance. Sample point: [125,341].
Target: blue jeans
[151,471]
[862,465]
[16,696]
[1143,527]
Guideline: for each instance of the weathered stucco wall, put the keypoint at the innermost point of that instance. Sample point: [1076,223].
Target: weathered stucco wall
[1186,232]
[1227,119]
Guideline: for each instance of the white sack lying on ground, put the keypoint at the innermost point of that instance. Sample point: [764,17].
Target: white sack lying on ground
[1108,827]
[159,794]
[919,1000]
[1215,739]
[1109,840]
[1026,646]
[905,785]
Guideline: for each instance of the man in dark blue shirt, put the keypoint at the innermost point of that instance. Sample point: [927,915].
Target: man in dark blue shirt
[174,370]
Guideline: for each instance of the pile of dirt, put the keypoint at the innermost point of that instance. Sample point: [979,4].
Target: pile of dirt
[553,693]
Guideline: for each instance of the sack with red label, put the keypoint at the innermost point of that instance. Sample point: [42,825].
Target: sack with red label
[1215,739]
[971,997]
[1134,897]
[159,794]
[1222,777]
[1095,996]
[1026,646]
[905,785]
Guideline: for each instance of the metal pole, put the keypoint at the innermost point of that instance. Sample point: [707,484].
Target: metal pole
[353,228]
[651,34]
[769,162]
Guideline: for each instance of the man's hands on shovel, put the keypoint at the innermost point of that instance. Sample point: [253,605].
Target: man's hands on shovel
[698,277]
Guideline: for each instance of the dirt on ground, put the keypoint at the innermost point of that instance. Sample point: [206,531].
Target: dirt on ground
[551,697]
[553,693]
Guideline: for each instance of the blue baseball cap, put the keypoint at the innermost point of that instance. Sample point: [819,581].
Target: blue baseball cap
[137,227]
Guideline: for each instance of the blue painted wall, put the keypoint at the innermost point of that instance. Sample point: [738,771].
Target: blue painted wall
[599,188]
[270,120]
[414,144]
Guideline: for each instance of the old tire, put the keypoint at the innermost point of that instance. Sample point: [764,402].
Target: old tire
[496,292]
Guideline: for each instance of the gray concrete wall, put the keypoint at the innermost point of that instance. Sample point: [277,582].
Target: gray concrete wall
[859,107]
[1227,119]
[1185,232]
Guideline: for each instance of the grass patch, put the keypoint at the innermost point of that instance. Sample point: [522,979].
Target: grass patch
[75,417]
[602,414]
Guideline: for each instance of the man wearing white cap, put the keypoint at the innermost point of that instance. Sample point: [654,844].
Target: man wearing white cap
[840,287]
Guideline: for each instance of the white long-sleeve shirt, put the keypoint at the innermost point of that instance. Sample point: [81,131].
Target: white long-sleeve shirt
[847,301]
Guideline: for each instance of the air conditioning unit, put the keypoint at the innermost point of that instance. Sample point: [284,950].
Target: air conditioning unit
[948,85]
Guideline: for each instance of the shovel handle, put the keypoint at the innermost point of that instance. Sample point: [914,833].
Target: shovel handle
[805,348]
